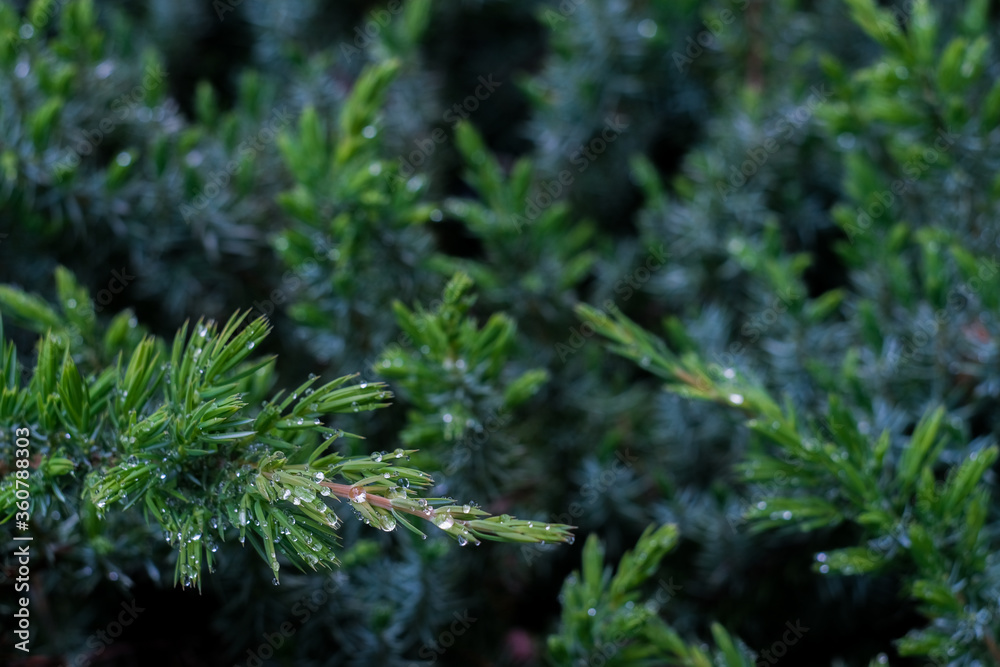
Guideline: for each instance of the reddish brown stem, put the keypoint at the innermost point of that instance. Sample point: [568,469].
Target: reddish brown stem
[348,491]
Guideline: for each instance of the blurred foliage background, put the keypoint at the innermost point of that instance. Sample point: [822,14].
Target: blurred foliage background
[800,195]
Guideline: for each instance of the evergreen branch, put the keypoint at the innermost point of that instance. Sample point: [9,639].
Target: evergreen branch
[603,614]
[456,374]
[182,440]
[935,527]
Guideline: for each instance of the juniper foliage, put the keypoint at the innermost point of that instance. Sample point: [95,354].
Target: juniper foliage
[799,195]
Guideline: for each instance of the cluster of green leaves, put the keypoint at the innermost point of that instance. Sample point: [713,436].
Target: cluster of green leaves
[919,250]
[602,59]
[179,433]
[93,145]
[604,617]
[516,220]
[872,308]
[929,530]
[348,193]
[851,266]
[452,373]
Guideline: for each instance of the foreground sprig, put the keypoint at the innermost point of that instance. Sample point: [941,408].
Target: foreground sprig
[186,436]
